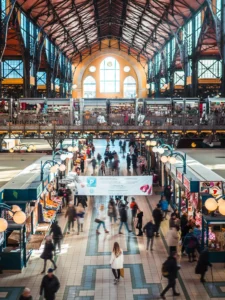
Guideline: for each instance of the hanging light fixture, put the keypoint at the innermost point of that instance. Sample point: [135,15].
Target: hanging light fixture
[70,148]
[19,217]
[14,209]
[164,159]
[75,149]
[62,168]
[172,160]
[222,209]
[53,169]
[3,225]
[11,150]
[161,150]
[153,143]
[70,155]
[155,149]
[63,156]
[211,204]
[148,143]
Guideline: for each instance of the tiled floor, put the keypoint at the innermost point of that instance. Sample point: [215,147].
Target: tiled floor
[84,271]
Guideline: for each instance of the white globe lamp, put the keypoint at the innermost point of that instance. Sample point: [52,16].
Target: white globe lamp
[75,149]
[19,217]
[211,204]
[62,168]
[70,148]
[63,156]
[92,69]
[3,225]
[222,209]
[164,159]
[14,209]
[148,143]
[161,150]
[53,169]
[155,149]
[70,155]
[220,202]
[172,160]
[154,143]
[126,69]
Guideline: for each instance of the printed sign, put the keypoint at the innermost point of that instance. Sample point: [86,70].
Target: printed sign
[113,185]
[179,176]
[186,183]
[211,187]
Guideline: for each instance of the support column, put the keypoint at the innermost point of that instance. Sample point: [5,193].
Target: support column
[194,75]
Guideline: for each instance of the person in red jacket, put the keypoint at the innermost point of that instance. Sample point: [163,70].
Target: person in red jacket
[133,207]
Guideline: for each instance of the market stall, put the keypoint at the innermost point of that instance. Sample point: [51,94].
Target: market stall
[95,111]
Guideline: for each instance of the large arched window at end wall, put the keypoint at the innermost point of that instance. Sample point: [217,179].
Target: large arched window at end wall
[129,87]
[109,76]
[89,87]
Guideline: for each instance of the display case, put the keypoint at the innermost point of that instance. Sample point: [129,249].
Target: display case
[159,107]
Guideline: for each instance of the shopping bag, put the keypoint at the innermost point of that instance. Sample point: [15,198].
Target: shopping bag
[97,220]
[122,272]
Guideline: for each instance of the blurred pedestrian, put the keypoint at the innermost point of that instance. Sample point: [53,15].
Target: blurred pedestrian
[26,295]
[47,254]
[49,285]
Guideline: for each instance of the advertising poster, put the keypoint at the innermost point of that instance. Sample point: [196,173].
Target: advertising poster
[211,187]
[113,185]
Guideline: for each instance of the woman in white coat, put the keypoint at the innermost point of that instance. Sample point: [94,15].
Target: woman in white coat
[101,219]
[173,238]
[116,261]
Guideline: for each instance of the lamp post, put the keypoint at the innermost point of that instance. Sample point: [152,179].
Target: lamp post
[54,167]
[149,144]
[216,203]
[19,217]
[172,159]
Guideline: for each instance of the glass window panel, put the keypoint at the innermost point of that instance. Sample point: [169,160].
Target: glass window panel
[109,76]
[129,87]
[13,69]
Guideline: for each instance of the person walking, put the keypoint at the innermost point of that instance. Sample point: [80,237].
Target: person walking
[173,237]
[99,157]
[113,141]
[120,144]
[103,168]
[26,295]
[116,261]
[168,193]
[172,268]
[133,207]
[123,218]
[56,235]
[164,207]
[149,229]
[71,214]
[49,285]
[82,165]
[203,264]
[101,219]
[47,254]
[139,222]
[112,212]
[94,164]
[158,217]
[128,161]
[191,244]
[80,218]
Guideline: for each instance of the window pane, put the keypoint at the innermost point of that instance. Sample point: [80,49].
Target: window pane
[109,76]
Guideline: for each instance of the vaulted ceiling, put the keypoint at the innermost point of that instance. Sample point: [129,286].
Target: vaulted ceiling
[142,27]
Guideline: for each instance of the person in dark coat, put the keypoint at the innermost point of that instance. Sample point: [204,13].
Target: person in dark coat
[82,165]
[150,230]
[203,263]
[83,200]
[184,231]
[71,214]
[128,161]
[172,269]
[49,285]
[139,222]
[123,218]
[158,217]
[56,235]
[26,295]
[48,253]
[191,244]
[168,193]
[112,212]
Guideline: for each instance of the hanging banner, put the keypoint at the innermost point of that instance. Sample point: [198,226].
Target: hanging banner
[114,185]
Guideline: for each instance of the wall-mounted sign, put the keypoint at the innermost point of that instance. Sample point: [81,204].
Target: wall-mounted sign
[186,183]
[179,176]
[213,188]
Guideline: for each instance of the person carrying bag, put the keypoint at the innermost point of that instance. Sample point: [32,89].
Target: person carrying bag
[116,262]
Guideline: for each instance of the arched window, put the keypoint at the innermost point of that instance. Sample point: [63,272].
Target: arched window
[109,76]
[129,87]
[89,87]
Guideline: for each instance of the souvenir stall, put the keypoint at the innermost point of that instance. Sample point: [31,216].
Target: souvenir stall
[159,107]
[216,104]
[4,110]
[95,111]
[213,222]
[192,106]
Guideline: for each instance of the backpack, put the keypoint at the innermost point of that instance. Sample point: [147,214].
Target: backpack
[192,243]
[165,269]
